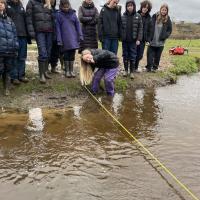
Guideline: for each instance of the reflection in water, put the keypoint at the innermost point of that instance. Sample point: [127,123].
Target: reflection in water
[77,110]
[91,159]
[36,121]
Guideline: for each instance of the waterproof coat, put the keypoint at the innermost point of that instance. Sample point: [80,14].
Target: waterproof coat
[147,27]
[17,13]
[8,36]
[69,33]
[166,29]
[38,17]
[136,28]
[88,16]
[109,23]
[104,59]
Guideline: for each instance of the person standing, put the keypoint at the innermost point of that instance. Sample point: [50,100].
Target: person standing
[16,12]
[109,26]
[162,29]
[69,35]
[88,16]
[8,46]
[131,32]
[39,18]
[145,9]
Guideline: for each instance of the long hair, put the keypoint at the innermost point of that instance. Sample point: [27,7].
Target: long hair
[160,18]
[47,4]
[86,72]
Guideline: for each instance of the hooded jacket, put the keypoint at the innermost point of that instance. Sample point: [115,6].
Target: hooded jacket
[109,23]
[136,28]
[38,17]
[147,27]
[8,36]
[17,13]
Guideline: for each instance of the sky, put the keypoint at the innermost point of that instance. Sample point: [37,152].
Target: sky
[179,10]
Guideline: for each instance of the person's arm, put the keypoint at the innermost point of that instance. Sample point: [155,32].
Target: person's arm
[95,18]
[16,43]
[140,29]
[78,28]
[100,26]
[29,19]
[149,30]
[82,18]
[169,28]
[58,31]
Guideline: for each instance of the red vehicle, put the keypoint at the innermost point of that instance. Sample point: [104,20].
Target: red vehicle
[178,50]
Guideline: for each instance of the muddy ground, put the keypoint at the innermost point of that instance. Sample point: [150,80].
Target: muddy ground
[63,92]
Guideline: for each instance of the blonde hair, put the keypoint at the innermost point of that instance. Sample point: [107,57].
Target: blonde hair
[86,72]
[47,4]
[160,18]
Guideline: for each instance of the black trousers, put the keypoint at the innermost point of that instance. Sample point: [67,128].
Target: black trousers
[69,55]
[153,57]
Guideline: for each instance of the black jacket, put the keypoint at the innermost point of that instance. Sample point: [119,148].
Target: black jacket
[17,13]
[109,23]
[147,27]
[8,37]
[88,16]
[133,22]
[104,59]
[38,18]
[166,29]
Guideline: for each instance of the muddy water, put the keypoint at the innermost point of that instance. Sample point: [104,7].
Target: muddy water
[79,153]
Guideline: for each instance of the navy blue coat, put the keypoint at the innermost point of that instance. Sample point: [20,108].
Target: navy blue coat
[8,36]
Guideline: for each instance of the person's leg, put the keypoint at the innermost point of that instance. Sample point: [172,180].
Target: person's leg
[157,57]
[71,66]
[8,64]
[14,72]
[125,57]
[114,46]
[98,75]
[109,76]
[106,44]
[132,51]
[21,62]
[66,58]
[150,58]
[54,57]
[140,53]
[42,55]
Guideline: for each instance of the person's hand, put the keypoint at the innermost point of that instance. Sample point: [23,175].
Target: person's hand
[137,42]
[147,43]
[92,60]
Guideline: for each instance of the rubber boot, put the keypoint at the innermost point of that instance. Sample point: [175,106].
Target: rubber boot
[71,69]
[67,65]
[53,69]
[6,81]
[125,74]
[46,70]
[42,69]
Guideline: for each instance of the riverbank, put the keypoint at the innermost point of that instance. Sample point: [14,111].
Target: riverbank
[62,92]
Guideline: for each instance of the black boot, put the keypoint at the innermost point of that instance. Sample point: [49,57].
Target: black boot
[46,70]
[126,62]
[71,69]
[53,69]
[42,68]
[67,65]
[6,81]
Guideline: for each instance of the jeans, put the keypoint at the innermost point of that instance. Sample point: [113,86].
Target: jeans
[19,63]
[44,44]
[110,45]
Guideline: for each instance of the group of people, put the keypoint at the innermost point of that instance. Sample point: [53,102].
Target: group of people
[60,32]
